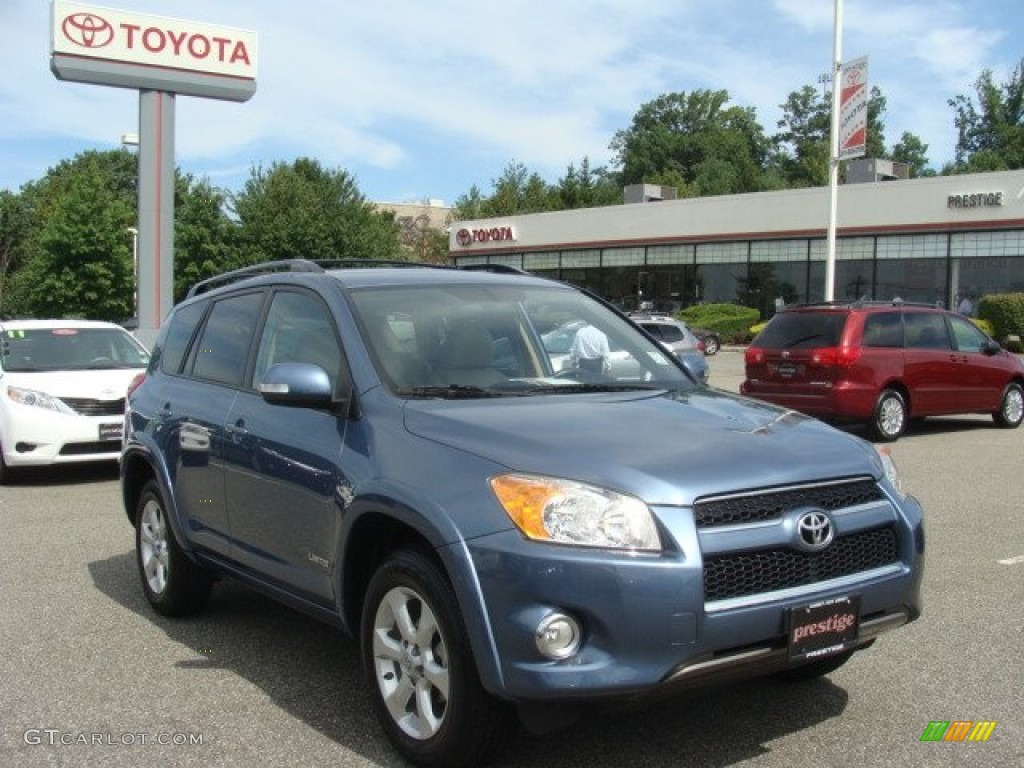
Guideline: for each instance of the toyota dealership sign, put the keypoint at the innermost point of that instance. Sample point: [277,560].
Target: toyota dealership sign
[114,47]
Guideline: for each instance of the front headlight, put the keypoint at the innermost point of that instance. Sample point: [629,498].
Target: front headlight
[564,511]
[889,468]
[36,399]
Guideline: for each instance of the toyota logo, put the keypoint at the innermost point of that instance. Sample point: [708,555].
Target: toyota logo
[815,530]
[88,30]
[464,237]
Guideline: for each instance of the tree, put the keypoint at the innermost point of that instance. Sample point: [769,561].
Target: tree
[709,147]
[205,238]
[74,255]
[805,138]
[912,151]
[587,187]
[518,191]
[990,134]
[302,210]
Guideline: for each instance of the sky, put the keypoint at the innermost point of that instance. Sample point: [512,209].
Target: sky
[423,100]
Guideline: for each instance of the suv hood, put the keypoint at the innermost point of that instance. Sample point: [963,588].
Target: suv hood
[619,441]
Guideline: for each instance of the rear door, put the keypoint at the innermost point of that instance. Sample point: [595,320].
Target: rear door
[195,407]
[930,365]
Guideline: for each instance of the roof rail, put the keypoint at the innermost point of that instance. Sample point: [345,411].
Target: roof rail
[264,268]
[859,303]
[499,269]
[322,265]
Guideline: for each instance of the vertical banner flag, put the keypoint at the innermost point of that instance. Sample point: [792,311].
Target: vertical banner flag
[853,108]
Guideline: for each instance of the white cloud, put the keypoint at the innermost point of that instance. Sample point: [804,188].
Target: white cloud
[436,97]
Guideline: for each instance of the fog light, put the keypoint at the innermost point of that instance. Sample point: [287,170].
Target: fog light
[558,636]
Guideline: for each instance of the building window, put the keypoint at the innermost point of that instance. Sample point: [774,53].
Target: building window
[778,250]
[537,261]
[670,254]
[622,257]
[723,253]
[912,247]
[854,248]
[981,244]
[580,259]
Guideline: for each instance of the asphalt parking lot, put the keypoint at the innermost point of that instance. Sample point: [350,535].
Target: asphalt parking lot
[92,677]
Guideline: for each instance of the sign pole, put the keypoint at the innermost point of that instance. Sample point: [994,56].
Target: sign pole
[833,161]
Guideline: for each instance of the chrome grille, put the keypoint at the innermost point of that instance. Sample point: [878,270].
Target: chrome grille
[87,407]
[738,574]
[772,505]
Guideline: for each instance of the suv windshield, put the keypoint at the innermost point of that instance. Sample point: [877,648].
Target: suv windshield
[33,350]
[505,339]
[802,330]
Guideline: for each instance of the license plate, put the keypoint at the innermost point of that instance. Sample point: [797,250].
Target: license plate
[111,431]
[786,370]
[824,628]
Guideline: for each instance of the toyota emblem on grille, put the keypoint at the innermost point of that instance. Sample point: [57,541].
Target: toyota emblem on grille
[815,530]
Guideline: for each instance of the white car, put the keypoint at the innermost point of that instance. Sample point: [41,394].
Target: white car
[62,390]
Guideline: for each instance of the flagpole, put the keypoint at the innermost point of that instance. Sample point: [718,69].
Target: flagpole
[833,164]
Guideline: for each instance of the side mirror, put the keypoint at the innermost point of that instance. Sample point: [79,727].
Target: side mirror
[991,347]
[297,384]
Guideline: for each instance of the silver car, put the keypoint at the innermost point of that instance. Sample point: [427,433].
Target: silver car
[675,336]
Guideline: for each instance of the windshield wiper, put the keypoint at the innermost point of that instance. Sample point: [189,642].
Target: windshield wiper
[579,386]
[451,391]
[802,339]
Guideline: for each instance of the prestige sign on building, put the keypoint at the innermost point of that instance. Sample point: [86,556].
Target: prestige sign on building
[114,47]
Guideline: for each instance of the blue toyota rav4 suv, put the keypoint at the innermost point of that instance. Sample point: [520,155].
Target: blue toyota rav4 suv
[395,451]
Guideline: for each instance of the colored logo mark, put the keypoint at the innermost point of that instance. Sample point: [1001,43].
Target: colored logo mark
[958,730]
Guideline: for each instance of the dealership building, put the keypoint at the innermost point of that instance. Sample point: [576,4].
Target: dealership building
[928,240]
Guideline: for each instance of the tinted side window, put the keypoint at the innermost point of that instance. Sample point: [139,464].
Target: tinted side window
[652,328]
[926,330]
[672,334]
[884,329]
[180,331]
[802,330]
[223,346]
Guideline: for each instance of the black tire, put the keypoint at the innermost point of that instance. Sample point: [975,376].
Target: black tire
[1011,407]
[172,583]
[406,668]
[711,345]
[890,418]
[812,670]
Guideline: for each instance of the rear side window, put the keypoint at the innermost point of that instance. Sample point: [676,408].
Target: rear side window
[883,329]
[223,348]
[802,330]
[672,334]
[926,330]
[179,333]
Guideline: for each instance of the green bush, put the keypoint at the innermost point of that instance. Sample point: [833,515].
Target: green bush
[1004,312]
[730,321]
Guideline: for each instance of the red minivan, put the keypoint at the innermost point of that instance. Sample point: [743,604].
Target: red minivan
[882,363]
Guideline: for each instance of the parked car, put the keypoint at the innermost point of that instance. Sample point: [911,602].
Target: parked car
[711,340]
[392,451]
[622,366]
[62,391]
[882,364]
[677,337]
